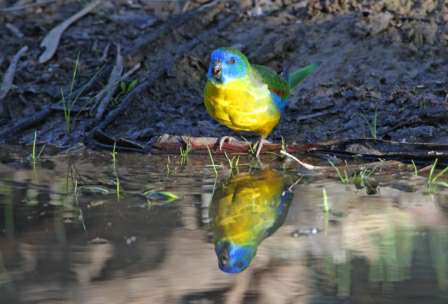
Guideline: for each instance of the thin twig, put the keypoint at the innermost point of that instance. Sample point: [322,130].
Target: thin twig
[13,29]
[291,188]
[305,165]
[103,57]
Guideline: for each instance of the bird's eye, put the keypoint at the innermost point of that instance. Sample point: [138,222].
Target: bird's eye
[231,60]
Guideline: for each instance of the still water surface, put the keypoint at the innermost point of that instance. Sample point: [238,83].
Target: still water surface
[67,236]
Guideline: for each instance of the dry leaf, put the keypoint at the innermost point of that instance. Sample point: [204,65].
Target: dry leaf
[51,41]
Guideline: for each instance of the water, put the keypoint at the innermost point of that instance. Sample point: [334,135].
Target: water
[66,236]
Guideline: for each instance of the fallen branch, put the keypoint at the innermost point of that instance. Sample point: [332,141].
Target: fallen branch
[25,123]
[362,149]
[52,39]
[104,141]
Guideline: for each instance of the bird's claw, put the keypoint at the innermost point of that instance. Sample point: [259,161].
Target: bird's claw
[260,146]
[224,139]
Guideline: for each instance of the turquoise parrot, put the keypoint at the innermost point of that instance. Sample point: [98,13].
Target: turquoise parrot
[247,97]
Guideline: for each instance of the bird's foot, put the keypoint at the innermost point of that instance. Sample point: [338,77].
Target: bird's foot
[260,144]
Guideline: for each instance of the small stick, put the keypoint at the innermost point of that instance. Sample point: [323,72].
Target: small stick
[103,57]
[305,165]
[14,30]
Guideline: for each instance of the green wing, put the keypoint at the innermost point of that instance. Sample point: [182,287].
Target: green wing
[274,81]
[279,85]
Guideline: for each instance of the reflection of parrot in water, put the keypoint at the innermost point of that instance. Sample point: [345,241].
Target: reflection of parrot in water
[244,211]
[247,97]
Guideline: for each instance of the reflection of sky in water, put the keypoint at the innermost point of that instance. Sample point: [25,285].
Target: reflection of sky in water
[86,246]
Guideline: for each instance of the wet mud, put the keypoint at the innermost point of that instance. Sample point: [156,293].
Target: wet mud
[383,68]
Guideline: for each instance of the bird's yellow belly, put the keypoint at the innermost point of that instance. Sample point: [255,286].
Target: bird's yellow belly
[247,206]
[242,107]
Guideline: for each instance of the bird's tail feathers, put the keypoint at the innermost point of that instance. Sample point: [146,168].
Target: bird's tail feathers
[296,77]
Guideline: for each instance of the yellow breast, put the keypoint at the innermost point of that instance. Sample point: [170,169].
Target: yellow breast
[246,206]
[242,106]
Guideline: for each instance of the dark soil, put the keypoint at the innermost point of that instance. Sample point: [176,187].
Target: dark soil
[381,62]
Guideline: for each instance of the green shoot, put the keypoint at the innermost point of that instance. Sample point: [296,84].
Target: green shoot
[68,104]
[233,162]
[75,190]
[67,113]
[344,178]
[75,73]
[114,156]
[372,124]
[33,154]
[35,157]
[360,178]
[433,179]
[414,167]
[168,162]
[284,148]
[252,147]
[125,88]
[212,161]
[280,156]
[326,207]
[184,154]
[117,187]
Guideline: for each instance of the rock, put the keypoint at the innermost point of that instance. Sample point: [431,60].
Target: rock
[377,23]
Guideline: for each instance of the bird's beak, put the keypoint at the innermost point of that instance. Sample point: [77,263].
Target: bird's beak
[217,70]
[224,257]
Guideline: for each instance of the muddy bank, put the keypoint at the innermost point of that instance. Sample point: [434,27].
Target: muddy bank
[383,68]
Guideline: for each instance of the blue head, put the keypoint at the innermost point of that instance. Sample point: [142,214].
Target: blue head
[233,258]
[227,64]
